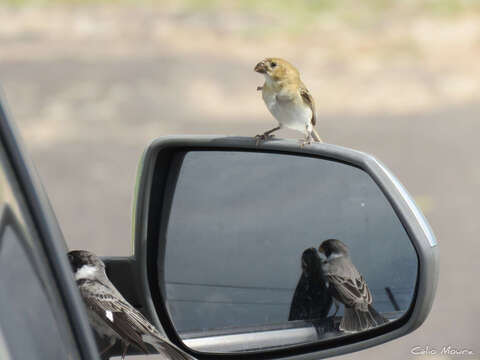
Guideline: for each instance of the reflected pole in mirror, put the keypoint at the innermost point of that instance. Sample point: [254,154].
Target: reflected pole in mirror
[348,287]
[391,297]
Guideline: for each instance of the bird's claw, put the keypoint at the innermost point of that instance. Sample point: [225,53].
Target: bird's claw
[304,142]
[259,88]
[263,137]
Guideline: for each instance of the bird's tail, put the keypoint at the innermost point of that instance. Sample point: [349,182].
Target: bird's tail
[315,136]
[166,349]
[356,320]
[379,319]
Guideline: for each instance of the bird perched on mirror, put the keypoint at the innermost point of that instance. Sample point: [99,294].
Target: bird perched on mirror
[111,316]
[348,287]
[287,98]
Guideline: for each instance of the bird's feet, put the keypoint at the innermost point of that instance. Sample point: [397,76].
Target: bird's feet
[105,351]
[263,137]
[306,141]
[337,306]
[259,88]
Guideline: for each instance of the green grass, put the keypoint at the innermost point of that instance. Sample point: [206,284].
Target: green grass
[297,11]
[295,6]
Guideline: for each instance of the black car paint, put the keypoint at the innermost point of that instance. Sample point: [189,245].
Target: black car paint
[27,211]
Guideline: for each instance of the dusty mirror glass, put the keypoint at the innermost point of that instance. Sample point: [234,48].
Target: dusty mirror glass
[267,250]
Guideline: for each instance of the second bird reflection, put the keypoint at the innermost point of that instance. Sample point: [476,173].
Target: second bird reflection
[333,279]
[311,300]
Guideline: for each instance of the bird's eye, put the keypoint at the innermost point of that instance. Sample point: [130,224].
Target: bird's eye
[273,64]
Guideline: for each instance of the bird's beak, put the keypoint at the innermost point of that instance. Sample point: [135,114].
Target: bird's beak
[261,68]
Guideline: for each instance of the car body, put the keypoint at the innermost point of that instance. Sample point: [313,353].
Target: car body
[41,312]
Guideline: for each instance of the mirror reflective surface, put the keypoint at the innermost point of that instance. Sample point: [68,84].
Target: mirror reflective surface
[267,250]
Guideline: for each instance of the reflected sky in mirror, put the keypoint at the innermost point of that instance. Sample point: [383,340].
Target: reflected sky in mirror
[240,222]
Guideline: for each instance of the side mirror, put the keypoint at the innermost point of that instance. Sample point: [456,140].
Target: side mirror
[230,245]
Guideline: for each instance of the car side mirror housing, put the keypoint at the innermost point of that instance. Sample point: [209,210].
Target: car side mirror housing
[274,250]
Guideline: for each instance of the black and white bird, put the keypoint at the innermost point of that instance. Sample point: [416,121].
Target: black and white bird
[311,299]
[111,316]
[349,287]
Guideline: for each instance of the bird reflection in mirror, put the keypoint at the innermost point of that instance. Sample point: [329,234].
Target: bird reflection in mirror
[348,286]
[311,300]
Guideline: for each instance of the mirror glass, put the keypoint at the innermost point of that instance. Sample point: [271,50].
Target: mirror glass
[267,250]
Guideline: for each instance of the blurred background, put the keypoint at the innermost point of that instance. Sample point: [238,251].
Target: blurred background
[90,83]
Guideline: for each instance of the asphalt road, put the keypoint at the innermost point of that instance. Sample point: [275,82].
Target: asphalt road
[85,124]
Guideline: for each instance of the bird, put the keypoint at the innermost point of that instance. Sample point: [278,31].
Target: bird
[110,315]
[287,99]
[348,287]
[311,299]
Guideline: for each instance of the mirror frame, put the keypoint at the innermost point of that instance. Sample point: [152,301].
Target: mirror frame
[154,168]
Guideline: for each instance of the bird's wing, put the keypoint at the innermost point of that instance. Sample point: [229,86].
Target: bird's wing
[352,291]
[127,321]
[116,313]
[308,99]
[298,305]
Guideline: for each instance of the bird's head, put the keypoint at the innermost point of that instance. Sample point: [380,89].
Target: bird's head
[85,264]
[309,259]
[333,247]
[276,70]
